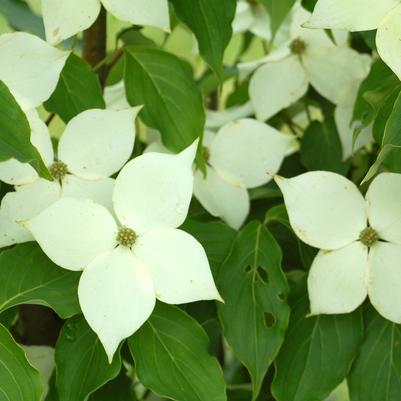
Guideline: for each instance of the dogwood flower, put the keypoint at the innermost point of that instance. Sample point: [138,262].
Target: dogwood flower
[94,146]
[364,15]
[309,58]
[29,67]
[359,240]
[126,267]
[64,19]
[238,157]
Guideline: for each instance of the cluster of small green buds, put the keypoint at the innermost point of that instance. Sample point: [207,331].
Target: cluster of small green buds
[126,237]
[368,236]
[58,170]
[297,47]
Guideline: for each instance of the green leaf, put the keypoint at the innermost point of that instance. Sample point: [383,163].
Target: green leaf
[9,317]
[19,381]
[118,389]
[255,314]
[391,138]
[379,84]
[210,21]
[321,148]
[15,134]
[28,276]
[278,10]
[317,352]
[78,89]
[164,85]
[376,373]
[309,4]
[21,17]
[81,362]
[172,359]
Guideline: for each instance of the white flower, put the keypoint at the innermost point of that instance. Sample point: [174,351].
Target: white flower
[65,18]
[94,146]
[310,58]
[363,15]
[115,98]
[30,68]
[126,268]
[359,240]
[240,156]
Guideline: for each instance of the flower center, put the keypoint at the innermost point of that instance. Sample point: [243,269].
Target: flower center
[205,153]
[368,236]
[126,237]
[58,170]
[297,47]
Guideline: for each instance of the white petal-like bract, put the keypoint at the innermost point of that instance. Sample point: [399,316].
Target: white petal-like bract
[141,12]
[388,40]
[23,204]
[30,67]
[116,296]
[325,209]
[249,150]
[383,201]
[178,265]
[64,19]
[334,70]
[337,281]
[385,280]
[154,190]
[277,85]
[96,143]
[73,232]
[221,198]
[352,15]
[99,191]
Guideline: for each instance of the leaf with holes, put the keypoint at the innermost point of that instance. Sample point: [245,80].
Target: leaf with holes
[254,289]
[317,352]
[19,381]
[210,21]
[81,362]
[172,359]
[15,134]
[164,85]
[376,373]
[78,89]
[28,276]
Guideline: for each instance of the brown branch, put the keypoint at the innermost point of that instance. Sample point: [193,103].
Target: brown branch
[94,44]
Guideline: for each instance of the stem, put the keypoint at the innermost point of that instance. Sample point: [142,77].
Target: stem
[94,44]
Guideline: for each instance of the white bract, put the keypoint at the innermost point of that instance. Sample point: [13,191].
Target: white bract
[309,58]
[95,145]
[64,19]
[359,240]
[127,267]
[30,68]
[240,156]
[363,15]
[346,127]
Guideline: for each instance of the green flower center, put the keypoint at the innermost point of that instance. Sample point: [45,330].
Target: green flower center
[368,236]
[126,237]
[298,47]
[58,170]
[205,153]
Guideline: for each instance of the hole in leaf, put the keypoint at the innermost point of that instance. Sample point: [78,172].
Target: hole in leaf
[262,274]
[247,269]
[270,320]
